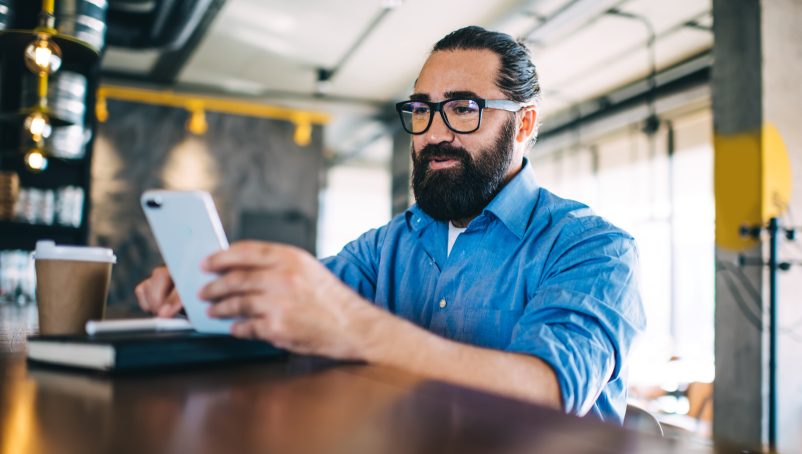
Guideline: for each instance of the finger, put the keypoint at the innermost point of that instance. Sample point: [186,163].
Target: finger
[245,254]
[244,306]
[171,306]
[244,330]
[157,288]
[147,294]
[141,297]
[233,283]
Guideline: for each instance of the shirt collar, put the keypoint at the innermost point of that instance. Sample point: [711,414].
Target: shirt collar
[417,220]
[512,206]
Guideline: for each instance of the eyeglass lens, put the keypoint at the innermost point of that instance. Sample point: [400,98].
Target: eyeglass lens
[462,115]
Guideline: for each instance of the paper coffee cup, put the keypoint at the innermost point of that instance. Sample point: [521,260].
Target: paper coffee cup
[72,283]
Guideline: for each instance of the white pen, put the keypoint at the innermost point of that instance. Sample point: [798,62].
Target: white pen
[137,324]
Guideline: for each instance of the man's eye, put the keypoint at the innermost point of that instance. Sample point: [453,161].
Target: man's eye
[420,110]
[464,110]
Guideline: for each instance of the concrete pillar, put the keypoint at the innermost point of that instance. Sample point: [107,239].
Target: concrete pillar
[400,169]
[756,99]
[782,109]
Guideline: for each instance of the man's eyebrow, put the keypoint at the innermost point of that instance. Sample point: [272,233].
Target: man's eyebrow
[447,95]
[460,94]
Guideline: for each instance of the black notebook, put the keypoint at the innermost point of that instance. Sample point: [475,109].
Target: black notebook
[140,351]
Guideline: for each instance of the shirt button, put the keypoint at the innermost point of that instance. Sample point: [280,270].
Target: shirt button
[443,303]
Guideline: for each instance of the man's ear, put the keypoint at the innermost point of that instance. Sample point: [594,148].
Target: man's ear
[526,123]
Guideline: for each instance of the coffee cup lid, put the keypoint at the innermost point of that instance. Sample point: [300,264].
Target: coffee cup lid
[47,250]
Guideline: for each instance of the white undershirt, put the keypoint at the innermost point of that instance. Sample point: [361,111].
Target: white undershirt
[453,233]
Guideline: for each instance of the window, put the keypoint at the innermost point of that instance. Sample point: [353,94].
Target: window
[666,203]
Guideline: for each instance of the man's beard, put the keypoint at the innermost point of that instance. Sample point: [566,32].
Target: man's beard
[465,189]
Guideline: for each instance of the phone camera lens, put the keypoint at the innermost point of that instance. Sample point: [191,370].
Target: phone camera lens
[154,203]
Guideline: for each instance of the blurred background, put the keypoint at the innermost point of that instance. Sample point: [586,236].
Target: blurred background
[284,111]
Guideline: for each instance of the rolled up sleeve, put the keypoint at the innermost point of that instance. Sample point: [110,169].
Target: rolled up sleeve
[586,311]
[357,264]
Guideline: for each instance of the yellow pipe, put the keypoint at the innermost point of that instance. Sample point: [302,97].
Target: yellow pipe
[43,89]
[48,6]
[168,98]
[101,110]
[196,105]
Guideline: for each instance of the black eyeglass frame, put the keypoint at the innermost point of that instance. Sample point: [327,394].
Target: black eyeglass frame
[500,104]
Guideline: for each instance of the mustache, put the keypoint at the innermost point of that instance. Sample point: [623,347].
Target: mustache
[442,150]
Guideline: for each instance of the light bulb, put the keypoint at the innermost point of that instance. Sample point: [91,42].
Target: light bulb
[36,161]
[43,56]
[38,124]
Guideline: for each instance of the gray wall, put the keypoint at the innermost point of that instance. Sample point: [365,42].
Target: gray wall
[251,166]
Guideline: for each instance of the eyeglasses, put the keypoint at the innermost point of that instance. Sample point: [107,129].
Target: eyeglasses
[462,115]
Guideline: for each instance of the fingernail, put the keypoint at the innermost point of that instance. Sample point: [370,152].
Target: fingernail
[205,264]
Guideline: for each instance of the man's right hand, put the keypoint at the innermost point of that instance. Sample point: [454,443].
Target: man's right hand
[157,294]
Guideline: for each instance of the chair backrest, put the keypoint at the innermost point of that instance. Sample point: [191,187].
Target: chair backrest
[641,420]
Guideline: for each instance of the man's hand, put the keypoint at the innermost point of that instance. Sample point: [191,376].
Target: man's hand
[290,299]
[157,294]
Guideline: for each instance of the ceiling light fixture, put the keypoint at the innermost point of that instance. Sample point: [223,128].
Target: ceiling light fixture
[568,19]
[303,131]
[391,4]
[38,125]
[43,56]
[323,85]
[324,76]
[35,160]
[197,119]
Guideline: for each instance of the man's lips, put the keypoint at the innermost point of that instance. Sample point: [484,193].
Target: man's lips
[442,163]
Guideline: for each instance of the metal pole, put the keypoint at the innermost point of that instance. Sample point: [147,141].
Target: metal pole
[773,248]
[672,238]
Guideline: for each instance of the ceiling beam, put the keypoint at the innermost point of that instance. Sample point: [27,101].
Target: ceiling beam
[639,46]
[573,16]
[692,72]
[171,62]
[324,75]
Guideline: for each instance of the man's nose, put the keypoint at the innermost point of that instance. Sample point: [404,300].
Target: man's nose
[438,132]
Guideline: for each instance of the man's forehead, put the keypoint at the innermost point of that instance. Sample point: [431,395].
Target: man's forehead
[460,73]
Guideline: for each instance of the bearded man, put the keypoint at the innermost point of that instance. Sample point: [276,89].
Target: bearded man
[489,281]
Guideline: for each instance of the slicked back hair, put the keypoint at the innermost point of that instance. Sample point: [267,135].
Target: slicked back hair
[517,77]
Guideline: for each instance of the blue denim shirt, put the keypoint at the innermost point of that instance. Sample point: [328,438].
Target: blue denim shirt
[534,274]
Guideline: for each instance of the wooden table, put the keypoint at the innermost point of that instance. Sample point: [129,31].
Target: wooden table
[296,406]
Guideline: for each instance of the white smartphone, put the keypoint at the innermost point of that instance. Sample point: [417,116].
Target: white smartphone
[188,229]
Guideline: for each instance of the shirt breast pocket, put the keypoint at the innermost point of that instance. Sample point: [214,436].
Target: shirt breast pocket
[490,328]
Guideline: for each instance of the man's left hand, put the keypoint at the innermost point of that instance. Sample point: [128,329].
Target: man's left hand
[288,298]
